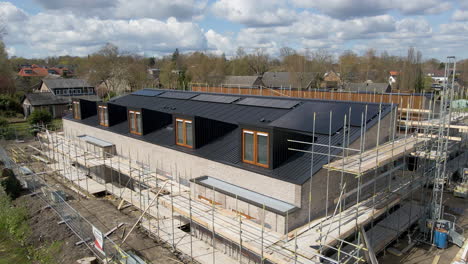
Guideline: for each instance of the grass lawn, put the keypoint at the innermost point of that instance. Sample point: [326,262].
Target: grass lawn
[12,252]
[57,123]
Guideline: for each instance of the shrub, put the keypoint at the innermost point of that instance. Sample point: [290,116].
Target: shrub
[3,122]
[9,104]
[10,183]
[40,117]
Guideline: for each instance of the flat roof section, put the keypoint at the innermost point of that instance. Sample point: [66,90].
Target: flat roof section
[257,199]
[96,141]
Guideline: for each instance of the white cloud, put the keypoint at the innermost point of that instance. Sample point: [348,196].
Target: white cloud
[53,34]
[11,51]
[219,43]
[345,9]
[10,13]
[256,13]
[125,9]
[460,15]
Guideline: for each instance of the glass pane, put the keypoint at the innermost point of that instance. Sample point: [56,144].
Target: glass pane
[138,117]
[262,149]
[180,132]
[248,146]
[132,122]
[106,116]
[189,135]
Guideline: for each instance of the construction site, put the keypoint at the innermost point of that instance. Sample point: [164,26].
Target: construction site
[279,178]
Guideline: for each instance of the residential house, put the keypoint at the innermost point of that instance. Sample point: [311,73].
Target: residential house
[289,80]
[43,71]
[236,150]
[368,87]
[67,87]
[393,75]
[242,81]
[331,80]
[56,105]
[55,95]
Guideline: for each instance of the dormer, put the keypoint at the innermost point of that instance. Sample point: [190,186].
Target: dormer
[268,147]
[110,114]
[195,131]
[83,109]
[142,121]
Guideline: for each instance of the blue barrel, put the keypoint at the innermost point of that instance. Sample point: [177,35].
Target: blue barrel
[440,238]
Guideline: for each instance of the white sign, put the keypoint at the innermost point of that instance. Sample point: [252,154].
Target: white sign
[98,240]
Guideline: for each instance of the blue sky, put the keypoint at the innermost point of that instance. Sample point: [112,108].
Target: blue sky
[40,28]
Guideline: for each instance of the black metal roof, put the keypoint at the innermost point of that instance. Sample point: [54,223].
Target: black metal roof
[227,148]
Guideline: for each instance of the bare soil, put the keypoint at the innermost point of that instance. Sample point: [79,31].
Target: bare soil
[101,212]
[425,254]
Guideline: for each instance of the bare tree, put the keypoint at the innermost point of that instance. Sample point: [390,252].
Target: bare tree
[258,61]
[3,30]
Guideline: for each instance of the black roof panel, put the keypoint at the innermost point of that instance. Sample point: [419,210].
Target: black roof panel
[147,92]
[178,95]
[216,98]
[302,118]
[267,102]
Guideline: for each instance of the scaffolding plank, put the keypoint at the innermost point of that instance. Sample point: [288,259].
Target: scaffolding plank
[360,164]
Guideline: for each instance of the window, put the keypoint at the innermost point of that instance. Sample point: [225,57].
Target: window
[255,147]
[76,110]
[28,71]
[134,117]
[184,133]
[103,115]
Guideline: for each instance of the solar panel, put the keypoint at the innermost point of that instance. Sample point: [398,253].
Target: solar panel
[302,118]
[216,98]
[358,113]
[147,92]
[273,103]
[177,95]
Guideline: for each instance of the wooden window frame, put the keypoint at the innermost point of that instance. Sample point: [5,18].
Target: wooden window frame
[135,113]
[184,130]
[255,147]
[101,115]
[76,110]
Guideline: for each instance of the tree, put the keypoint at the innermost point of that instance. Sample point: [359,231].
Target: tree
[349,66]
[40,117]
[411,77]
[258,61]
[7,85]
[10,183]
[168,76]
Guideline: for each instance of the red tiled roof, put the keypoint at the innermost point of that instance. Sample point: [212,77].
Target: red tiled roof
[393,73]
[39,71]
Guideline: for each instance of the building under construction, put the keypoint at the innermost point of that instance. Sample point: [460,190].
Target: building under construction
[253,179]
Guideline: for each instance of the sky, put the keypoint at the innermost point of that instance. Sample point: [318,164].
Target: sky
[41,28]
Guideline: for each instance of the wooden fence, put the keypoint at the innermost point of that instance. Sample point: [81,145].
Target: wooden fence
[404,100]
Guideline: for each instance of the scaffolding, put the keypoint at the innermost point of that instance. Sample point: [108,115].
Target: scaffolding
[372,207]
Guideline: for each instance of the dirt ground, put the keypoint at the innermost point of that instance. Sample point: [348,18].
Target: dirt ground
[425,254]
[45,230]
[101,212]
